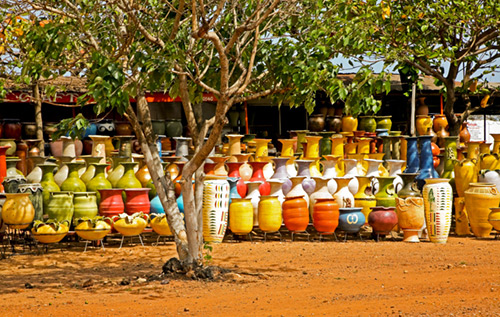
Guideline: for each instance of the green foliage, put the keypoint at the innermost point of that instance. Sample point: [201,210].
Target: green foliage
[207,257]
[73,127]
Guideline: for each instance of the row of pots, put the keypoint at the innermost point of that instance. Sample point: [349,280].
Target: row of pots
[320,122]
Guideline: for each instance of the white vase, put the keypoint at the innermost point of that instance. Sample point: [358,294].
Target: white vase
[297,189]
[351,170]
[276,190]
[395,167]
[374,172]
[215,209]
[254,196]
[438,202]
[343,196]
[320,191]
[330,171]
[291,168]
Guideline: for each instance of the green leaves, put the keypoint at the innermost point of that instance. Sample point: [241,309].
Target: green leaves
[73,127]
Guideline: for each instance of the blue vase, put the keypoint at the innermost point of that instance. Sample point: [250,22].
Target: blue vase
[156,206]
[158,144]
[412,159]
[233,190]
[351,219]
[91,130]
[180,204]
[426,161]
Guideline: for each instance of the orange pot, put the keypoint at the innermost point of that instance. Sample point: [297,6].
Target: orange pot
[295,213]
[325,215]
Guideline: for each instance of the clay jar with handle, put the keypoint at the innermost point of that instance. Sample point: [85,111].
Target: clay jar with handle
[325,215]
[295,213]
[479,198]
[382,220]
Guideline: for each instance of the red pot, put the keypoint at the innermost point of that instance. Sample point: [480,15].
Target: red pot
[3,164]
[295,213]
[12,129]
[382,219]
[234,171]
[325,215]
[137,200]
[111,202]
[209,168]
[258,176]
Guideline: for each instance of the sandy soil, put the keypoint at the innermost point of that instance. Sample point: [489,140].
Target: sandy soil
[270,279]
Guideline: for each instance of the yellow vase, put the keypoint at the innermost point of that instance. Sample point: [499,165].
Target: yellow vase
[261,147]
[496,142]
[461,218]
[364,198]
[350,148]
[473,150]
[287,148]
[479,198]
[270,218]
[423,124]
[484,148]
[364,145]
[349,124]
[489,161]
[404,149]
[314,168]
[241,216]
[465,173]
[312,150]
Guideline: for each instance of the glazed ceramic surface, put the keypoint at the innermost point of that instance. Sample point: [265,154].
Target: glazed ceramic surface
[215,209]
[438,200]
[479,198]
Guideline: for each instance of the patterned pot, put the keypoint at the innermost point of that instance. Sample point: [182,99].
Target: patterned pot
[351,219]
[36,197]
[215,208]
[438,201]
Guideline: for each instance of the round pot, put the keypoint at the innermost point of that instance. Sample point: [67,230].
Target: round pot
[60,206]
[384,122]
[130,225]
[349,124]
[295,213]
[137,200]
[325,215]
[85,205]
[241,216]
[158,127]
[423,124]
[12,129]
[18,211]
[494,218]
[316,122]
[123,128]
[173,128]
[159,224]
[382,220]
[334,123]
[29,130]
[270,219]
[367,124]
[351,219]
[111,202]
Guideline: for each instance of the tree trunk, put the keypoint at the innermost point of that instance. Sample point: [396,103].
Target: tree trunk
[164,186]
[454,123]
[38,118]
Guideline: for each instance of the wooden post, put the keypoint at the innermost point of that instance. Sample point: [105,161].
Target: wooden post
[412,119]
[38,118]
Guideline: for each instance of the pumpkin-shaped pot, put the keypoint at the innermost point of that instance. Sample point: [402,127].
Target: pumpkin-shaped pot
[51,231]
[295,213]
[93,228]
[18,211]
[160,225]
[130,225]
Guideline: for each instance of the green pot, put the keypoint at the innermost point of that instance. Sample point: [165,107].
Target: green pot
[48,183]
[36,196]
[173,128]
[386,195]
[99,181]
[85,205]
[367,123]
[384,122]
[128,180]
[60,206]
[73,183]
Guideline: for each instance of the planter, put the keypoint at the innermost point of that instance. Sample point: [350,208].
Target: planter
[84,205]
[173,128]
[60,206]
[50,232]
[438,200]
[325,215]
[384,122]
[12,129]
[215,208]
[130,225]
[241,216]
[316,122]
[382,220]
[479,198]
[295,213]
[367,123]
[349,124]
[18,211]
[137,200]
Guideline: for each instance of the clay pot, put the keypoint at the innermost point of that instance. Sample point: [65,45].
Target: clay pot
[18,211]
[351,219]
[270,219]
[215,209]
[111,202]
[438,201]
[12,129]
[29,130]
[137,200]
[123,128]
[60,206]
[464,133]
[325,215]
[334,123]
[316,122]
[367,123]
[10,142]
[465,174]
[106,127]
[349,124]
[295,213]
[173,128]
[423,124]
[241,216]
[422,108]
[439,122]
[382,220]
[494,218]
[384,122]
[479,198]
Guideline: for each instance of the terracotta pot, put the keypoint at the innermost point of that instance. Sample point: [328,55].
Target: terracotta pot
[479,198]
[137,200]
[325,215]
[295,213]
[422,108]
[439,122]
[316,122]
[382,220]
[464,133]
[12,129]
[111,202]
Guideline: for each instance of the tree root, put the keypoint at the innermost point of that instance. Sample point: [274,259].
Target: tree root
[176,269]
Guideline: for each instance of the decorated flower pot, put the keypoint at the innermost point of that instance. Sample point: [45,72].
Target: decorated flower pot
[91,229]
[438,200]
[215,208]
[351,219]
[130,225]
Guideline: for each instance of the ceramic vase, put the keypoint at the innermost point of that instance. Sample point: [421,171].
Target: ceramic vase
[386,195]
[137,200]
[320,191]
[215,208]
[270,219]
[99,146]
[410,208]
[349,124]
[330,171]
[254,196]
[450,158]
[364,198]
[426,169]
[351,170]
[384,122]
[465,174]
[343,195]
[261,147]
[35,196]
[111,202]
[395,168]
[438,200]
[287,147]
[412,155]
[182,146]
[367,123]
[297,189]
[276,189]
[85,205]
[233,190]
[73,183]
[304,170]
[382,220]
[234,171]
[60,206]
[351,219]
[312,150]
[234,143]
[128,180]
[17,211]
[325,215]
[295,213]
[479,198]
[258,175]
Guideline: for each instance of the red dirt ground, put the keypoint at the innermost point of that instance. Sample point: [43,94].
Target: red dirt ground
[269,279]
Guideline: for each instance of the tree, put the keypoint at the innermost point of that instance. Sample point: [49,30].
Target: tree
[442,39]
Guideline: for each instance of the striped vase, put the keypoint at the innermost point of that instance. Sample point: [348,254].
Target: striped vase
[438,201]
[215,208]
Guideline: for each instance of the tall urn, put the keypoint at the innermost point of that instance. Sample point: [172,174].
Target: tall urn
[438,201]
[410,208]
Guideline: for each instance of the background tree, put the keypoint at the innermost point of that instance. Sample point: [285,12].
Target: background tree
[442,39]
